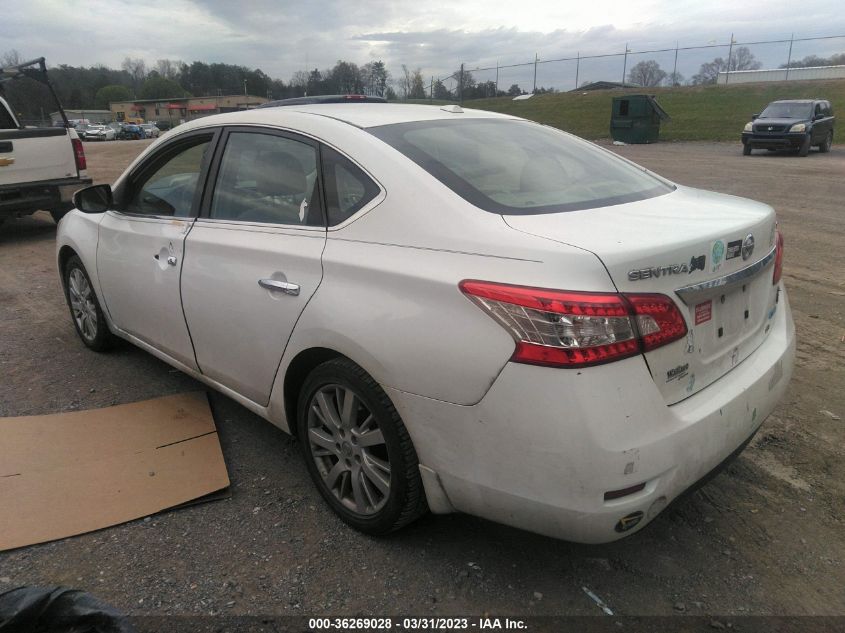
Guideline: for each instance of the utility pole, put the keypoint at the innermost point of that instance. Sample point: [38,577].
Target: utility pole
[497,79]
[536,57]
[577,68]
[789,59]
[431,88]
[461,86]
[730,56]
[245,88]
[625,64]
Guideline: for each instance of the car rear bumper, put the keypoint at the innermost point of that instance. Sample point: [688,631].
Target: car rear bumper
[26,198]
[544,446]
[774,141]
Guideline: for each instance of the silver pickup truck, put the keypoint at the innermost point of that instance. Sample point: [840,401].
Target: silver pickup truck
[40,167]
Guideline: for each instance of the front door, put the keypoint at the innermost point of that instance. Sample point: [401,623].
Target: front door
[253,257]
[141,246]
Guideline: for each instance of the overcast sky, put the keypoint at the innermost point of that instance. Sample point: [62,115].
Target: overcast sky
[280,38]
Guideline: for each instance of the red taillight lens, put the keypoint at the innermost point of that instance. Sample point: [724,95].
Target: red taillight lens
[776,275]
[79,154]
[658,319]
[576,329]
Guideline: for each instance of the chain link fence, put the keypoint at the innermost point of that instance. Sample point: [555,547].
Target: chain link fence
[573,72]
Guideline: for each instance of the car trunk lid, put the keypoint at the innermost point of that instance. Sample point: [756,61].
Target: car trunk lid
[687,245]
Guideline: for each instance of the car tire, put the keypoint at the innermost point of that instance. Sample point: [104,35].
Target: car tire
[824,147]
[746,150]
[85,310]
[805,146]
[358,452]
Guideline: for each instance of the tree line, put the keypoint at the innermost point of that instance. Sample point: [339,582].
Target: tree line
[96,86]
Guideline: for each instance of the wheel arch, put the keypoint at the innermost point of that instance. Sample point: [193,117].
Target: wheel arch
[295,375]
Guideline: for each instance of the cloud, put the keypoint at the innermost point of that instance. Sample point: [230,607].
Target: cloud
[435,36]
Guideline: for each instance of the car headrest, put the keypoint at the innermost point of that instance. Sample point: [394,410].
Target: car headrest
[279,174]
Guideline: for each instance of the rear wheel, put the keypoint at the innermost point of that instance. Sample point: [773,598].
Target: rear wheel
[357,449]
[824,147]
[84,307]
[805,146]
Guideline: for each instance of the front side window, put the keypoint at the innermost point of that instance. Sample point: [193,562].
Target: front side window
[169,190]
[267,178]
[519,167]
[348,189]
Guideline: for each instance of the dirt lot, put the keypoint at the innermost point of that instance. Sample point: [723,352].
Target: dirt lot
[764,537]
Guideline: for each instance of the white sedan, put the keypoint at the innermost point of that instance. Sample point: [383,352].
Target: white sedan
[453,310]
[99,133]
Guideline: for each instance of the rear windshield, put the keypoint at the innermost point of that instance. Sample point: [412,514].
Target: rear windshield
[518,167]
[787,111]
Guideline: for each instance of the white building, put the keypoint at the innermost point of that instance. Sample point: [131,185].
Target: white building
[781,74]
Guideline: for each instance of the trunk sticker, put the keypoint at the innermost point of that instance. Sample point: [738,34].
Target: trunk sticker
[703,312]
[717,253]
[734,249]
[677,373]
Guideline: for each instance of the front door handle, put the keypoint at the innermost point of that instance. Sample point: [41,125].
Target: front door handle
[171,260]
[284,286]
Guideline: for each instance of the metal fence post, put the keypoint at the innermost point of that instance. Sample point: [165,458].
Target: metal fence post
[730,54]
[577,68]
[675,68]
[625,64]
[789,58]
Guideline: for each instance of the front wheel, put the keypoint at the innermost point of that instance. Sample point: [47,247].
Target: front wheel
[85,311]
[805,146]
[746,150]
[824,148]
[357,450]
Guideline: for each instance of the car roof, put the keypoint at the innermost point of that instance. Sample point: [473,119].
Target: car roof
[362,115]
[797,100]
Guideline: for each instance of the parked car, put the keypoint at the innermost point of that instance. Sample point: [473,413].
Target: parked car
[150,130]
[99,132]
[131,131]
[452,309]
[40,167]
[796,124]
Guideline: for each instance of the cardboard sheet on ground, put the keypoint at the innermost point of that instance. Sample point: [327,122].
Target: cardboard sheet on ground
[70,473]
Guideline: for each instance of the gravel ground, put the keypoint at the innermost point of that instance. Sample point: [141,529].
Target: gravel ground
[765,537]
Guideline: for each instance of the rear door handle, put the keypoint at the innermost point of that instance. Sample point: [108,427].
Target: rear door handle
[284,286]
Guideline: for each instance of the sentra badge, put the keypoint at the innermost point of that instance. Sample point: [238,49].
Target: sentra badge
[696,263]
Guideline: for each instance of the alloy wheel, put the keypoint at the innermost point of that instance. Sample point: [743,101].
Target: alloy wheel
[349,449]
[82,304]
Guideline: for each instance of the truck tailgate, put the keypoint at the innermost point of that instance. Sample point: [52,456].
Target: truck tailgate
[31,155]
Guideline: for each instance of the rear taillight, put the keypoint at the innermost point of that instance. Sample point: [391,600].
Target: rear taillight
[575,329]
[778,259]
[79,154]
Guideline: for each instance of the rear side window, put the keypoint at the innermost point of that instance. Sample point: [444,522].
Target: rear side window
[519,167]
[267,178]
[348,189]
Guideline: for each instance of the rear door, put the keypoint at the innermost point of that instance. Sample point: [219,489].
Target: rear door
[254,256]
[140,252]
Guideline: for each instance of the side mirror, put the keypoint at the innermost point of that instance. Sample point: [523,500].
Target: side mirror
[818,116]
[754,117]
[94,199]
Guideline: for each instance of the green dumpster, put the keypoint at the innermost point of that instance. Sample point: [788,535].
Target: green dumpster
[636,119]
